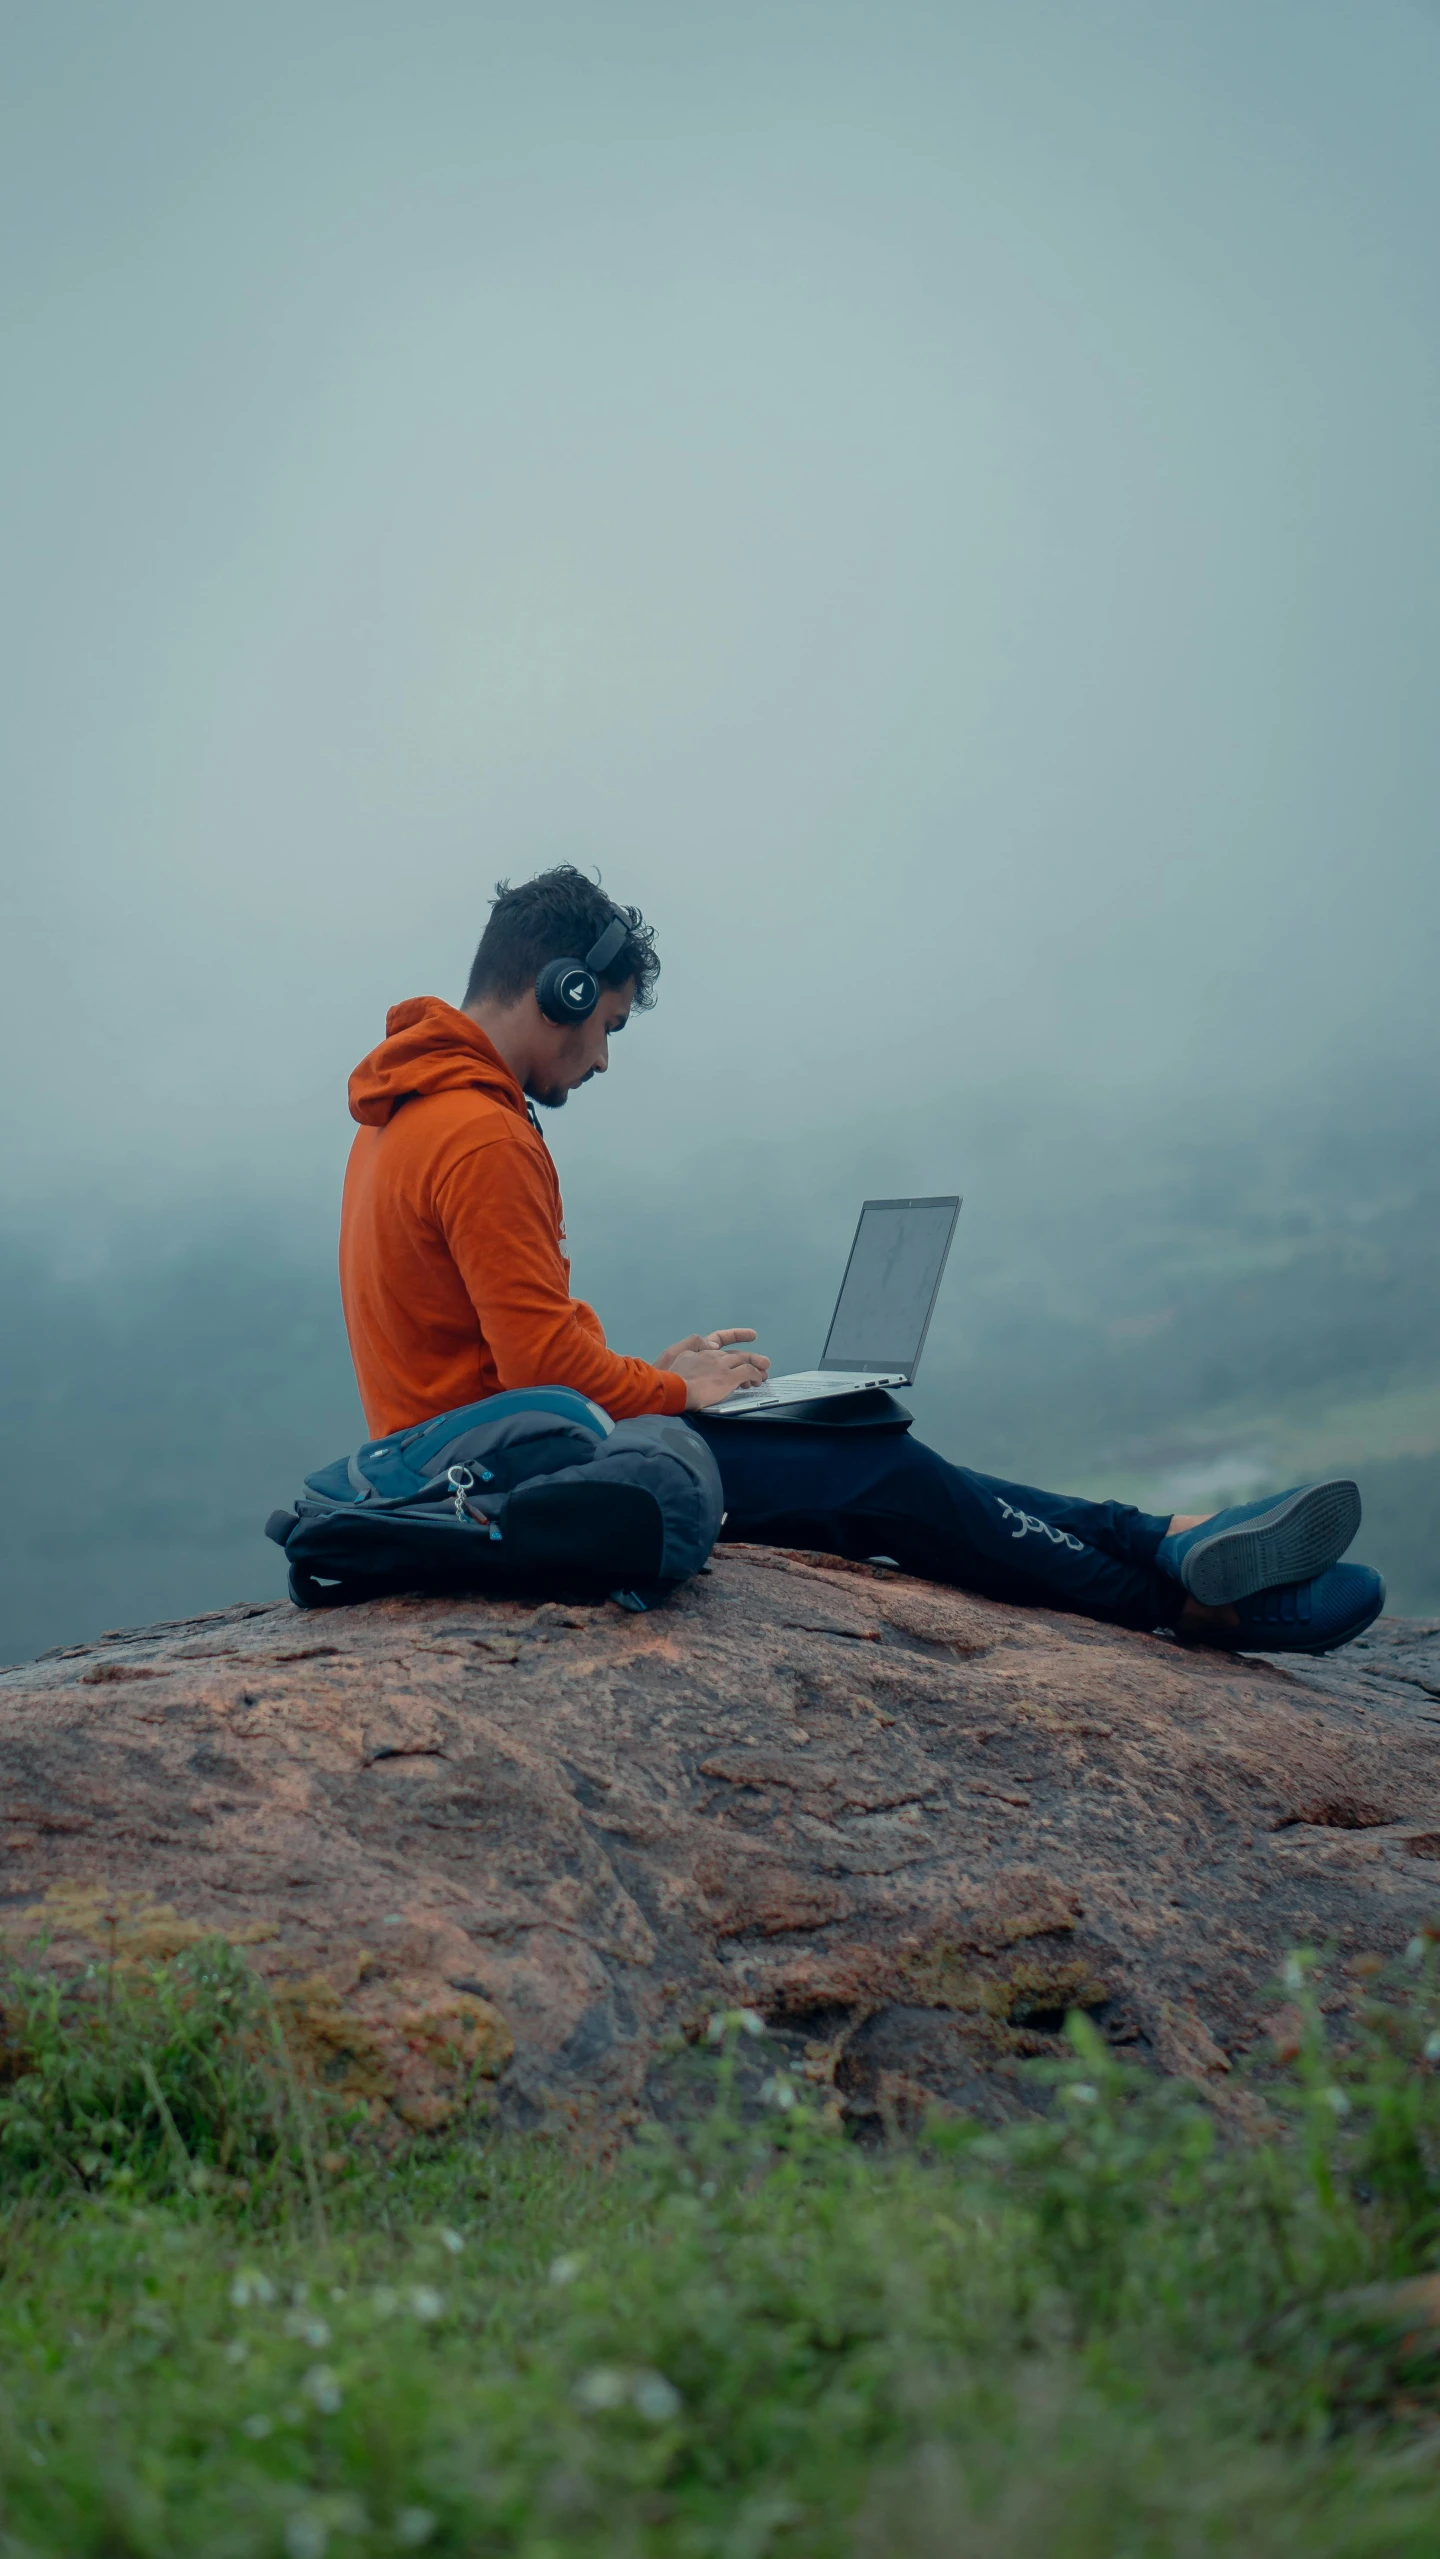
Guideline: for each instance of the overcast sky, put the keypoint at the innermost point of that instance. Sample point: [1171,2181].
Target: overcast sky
[939,501]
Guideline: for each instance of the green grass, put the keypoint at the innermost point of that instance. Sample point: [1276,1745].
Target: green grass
[232,2323]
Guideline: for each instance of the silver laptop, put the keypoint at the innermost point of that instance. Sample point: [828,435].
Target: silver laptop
[882,1313]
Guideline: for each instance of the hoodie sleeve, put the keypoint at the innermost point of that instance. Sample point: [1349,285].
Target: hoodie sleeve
[497,1212]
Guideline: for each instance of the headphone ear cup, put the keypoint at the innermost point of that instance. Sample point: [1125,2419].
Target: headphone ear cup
[566,991]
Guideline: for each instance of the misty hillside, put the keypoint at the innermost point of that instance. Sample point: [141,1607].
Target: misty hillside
[936,505]
[1226,1320]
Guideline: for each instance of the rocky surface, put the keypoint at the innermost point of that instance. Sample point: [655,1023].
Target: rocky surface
[907,1826]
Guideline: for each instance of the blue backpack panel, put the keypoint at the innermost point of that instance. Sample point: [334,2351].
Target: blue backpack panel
[536,1491]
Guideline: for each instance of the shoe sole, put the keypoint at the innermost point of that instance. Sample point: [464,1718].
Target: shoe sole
[1292,1543]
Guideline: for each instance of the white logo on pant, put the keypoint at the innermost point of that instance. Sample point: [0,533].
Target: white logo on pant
[1041,1528]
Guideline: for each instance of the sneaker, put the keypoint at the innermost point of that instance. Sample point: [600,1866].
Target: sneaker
[1306,1617]
[1259,1546]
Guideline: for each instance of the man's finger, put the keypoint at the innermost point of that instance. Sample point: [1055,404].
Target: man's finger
[734,1333]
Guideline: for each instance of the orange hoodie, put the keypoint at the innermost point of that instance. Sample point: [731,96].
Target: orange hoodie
[453,1270]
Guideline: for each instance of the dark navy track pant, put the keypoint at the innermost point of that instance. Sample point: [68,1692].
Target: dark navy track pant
[858,1492]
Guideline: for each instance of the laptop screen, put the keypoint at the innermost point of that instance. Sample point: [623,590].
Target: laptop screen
[891,1280]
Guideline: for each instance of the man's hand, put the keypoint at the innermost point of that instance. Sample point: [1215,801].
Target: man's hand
[712,1370]
[706,1342]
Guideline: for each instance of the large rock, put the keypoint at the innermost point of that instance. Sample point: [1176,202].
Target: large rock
[909,1827]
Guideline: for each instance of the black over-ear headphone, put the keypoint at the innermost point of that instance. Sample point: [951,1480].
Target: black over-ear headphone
[569,990]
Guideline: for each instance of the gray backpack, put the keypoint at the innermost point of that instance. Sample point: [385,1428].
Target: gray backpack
[535,1492]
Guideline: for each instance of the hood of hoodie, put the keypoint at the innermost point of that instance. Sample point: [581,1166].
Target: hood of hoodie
[428,1047]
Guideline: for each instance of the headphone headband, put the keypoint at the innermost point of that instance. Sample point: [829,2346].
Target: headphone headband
[599,959]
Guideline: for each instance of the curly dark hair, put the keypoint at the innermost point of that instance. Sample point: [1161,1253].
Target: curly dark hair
[559,915]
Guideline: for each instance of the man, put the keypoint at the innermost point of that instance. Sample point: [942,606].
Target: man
[456,1285]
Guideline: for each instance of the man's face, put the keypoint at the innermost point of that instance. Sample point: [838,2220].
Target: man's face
[570,1053]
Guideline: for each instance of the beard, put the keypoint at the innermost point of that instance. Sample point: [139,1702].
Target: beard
[553,1097]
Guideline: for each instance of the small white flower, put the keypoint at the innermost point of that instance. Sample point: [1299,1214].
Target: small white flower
[1415,1951]
[249,2287]
[257,2428]
[656,2398]
[1080,2093]
[604,2387]
[734,2021]
[778,2092]
[237,2351]
[306,2536]
[310,2331]
[425,2302]
[413,2526]
[1292,1973]
[563,2270]
[323,2390]
[1337,2100]
[453,2243]
[1432,2047]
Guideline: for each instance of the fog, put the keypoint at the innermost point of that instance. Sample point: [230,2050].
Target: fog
[937,502]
